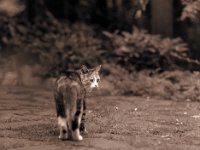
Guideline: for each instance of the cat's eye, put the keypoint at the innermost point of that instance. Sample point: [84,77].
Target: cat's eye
[91,80]
[98,80]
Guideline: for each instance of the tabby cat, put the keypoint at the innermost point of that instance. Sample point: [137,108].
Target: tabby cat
[70,94]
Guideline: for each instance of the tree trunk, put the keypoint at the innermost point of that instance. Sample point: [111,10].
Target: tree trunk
[162,17]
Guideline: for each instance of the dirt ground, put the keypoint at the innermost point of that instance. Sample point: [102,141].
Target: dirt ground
[28,122]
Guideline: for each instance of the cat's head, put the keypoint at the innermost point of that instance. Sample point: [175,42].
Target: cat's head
[90,77]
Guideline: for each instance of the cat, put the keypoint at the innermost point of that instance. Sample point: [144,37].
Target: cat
[70,98]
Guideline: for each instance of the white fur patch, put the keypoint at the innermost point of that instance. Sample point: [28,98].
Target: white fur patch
[62,122]
[95,83]
[76,135]
[63,136]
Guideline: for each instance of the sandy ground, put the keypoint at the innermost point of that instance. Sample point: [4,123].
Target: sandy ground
[28,122]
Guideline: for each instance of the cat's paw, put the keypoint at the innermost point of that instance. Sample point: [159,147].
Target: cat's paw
[76,136]
[84,132]
[63,137]
[83,129]
[79,138]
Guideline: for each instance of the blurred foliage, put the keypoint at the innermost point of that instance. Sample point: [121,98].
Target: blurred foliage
[189,27]
[191,10]
[56,46]
[191,37]
[62,35]
[171,85]
[11,7]
[59,46]
[140,50]
[42,34]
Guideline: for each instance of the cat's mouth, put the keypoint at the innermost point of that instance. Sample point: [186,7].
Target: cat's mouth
[91,89]
[95,89]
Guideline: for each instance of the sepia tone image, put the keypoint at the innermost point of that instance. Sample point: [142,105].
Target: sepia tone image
[99,74]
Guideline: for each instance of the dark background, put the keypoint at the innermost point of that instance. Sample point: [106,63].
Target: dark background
[74,28]
[49,37]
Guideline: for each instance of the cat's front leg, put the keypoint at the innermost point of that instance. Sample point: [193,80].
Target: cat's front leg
[76,122]
[82,125]
[83,129]
[76,129]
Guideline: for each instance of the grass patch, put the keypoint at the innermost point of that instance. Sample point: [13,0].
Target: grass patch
[171,85]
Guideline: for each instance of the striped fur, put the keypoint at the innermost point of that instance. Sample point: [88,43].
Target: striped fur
[70,98]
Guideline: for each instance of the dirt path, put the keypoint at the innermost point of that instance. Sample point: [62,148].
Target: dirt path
[28,122]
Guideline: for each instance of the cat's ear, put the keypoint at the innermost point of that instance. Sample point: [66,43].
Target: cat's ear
[84,69]
[97,69]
